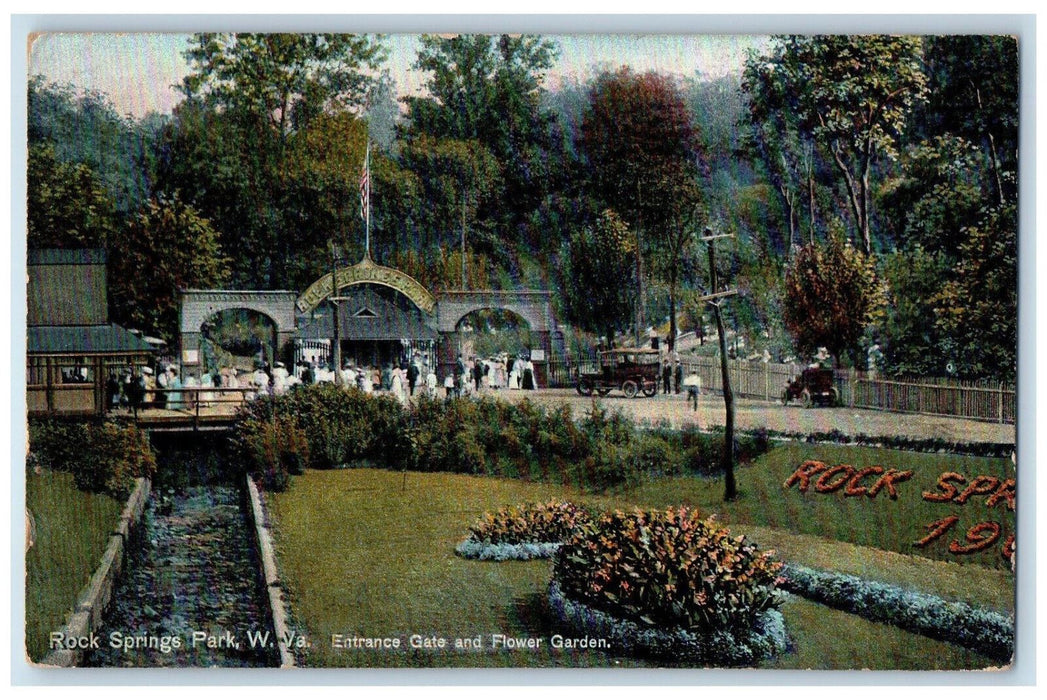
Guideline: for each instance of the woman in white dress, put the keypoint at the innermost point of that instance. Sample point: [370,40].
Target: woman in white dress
[398,386]
[206,397]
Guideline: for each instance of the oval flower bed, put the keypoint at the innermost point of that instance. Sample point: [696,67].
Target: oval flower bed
[528,531]
[671,585]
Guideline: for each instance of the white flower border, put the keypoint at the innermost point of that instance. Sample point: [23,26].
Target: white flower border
[766,639]
[985,631]
[523,551]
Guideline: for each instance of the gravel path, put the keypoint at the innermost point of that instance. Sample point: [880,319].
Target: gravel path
[751,414]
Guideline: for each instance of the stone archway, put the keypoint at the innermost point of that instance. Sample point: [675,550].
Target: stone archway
[198,305]
[533,306]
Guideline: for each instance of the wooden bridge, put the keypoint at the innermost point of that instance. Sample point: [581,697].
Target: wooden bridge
[190,409]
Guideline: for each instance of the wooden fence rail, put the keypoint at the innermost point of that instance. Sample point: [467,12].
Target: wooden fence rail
[991,401]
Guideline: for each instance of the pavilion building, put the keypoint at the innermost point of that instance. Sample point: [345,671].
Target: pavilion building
[71,346]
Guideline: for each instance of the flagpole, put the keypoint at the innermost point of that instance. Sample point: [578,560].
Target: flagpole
[367,202]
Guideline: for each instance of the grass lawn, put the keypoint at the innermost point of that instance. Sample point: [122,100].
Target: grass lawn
[370,553]
[72,531]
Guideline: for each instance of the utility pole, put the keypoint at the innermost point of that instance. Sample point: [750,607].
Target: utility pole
[336,350]
[463,240]
[713,299]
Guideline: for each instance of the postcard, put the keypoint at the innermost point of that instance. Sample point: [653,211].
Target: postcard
[522,350]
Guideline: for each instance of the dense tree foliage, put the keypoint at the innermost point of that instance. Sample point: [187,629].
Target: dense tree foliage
[165,248]
[83,127]
[851,94]
[595,254]
[67,204]
[597,185]
[487,90]
[641,155]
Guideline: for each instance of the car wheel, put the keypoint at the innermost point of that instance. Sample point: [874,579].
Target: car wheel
[650,390]
[585,387]
[834,397]
[785,397]
[630,389]
[806,398]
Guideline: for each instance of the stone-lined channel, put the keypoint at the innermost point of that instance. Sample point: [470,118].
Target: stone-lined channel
[190,594]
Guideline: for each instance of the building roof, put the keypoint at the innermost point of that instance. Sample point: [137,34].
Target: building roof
[72,256]
[84,340]
[365,313]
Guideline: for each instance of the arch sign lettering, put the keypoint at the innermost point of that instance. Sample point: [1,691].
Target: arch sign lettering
[367,272]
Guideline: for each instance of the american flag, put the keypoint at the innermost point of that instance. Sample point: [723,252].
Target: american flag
[365,185]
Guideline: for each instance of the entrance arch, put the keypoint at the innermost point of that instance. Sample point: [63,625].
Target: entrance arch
[198,305]
[533,306]
[366,272]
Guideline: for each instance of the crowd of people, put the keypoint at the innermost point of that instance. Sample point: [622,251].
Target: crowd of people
[165,387]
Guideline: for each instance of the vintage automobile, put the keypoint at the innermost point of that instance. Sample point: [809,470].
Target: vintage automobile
[632,370]
[813,385]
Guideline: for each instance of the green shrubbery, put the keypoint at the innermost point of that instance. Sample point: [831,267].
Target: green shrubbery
[668,569]
[601,451]
[103,457]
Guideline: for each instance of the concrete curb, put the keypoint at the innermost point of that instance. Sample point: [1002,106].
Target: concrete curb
[95,597]
[270,573]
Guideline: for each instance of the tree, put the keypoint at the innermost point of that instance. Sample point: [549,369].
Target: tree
[487,90]
[831,296]
[67,204]
[84,128]
[167,247]
[940,192]
[913,341]
[641,156]
[597,281]
[977,305]
[260,91]
[284,80]
[458,180]
[852,94]
[974,83]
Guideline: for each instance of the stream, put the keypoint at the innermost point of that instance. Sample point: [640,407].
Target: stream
[189,594]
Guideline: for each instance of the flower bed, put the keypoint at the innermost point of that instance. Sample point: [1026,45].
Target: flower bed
[528,531]
[471,549]
[669,584]
[763,639]
[987,632]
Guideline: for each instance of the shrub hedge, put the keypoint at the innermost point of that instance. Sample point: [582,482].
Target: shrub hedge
[102,456]
[344,427]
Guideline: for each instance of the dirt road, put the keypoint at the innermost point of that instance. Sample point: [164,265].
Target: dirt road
[751,414]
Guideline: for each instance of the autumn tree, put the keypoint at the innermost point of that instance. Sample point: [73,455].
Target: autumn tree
[832,295]
[852,95]
[641,155]
[598,281]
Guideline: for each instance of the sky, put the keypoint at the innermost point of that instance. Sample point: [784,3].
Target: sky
[138,70]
